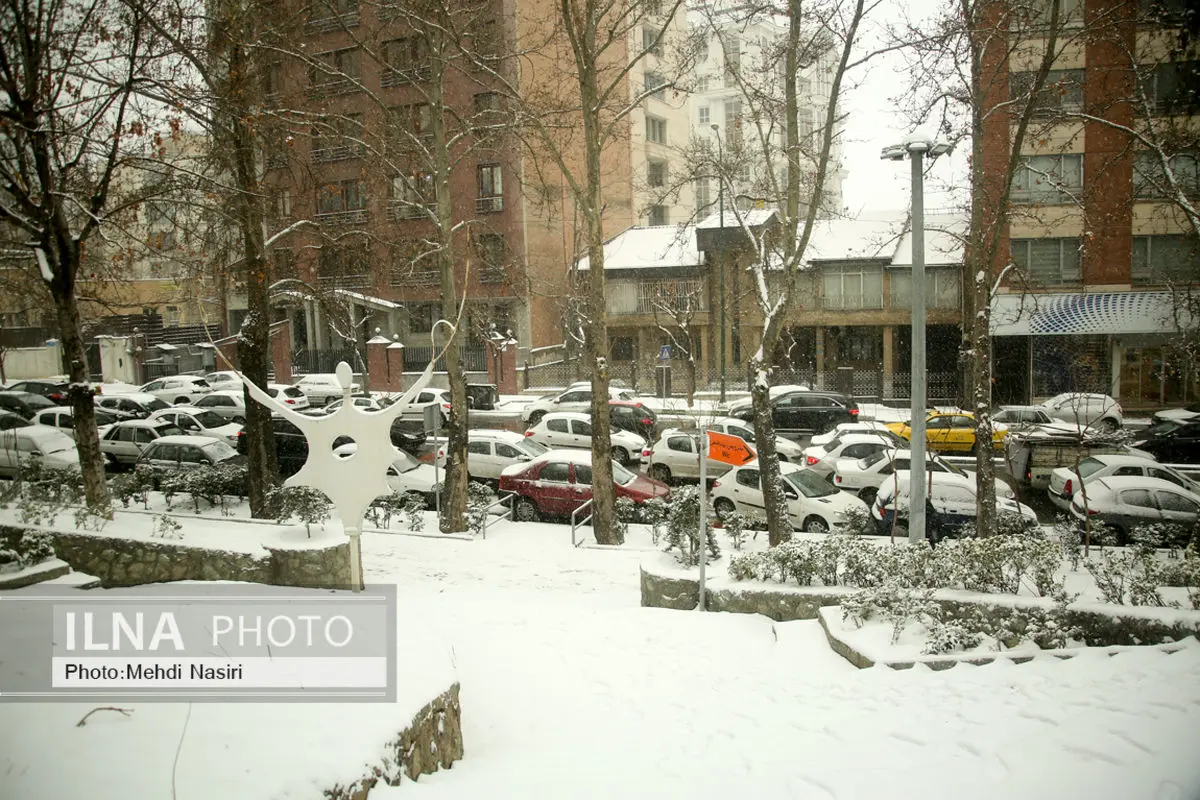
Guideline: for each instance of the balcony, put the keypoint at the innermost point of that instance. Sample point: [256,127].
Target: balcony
[324,155]
[352,217]
[352,282]
[491,276]
[322,21]
[402,209]
[330,88]
[489,205]
[397,76]
[852,302]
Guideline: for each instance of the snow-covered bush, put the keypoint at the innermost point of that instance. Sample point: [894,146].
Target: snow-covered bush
[164,527]
[41,492]
[949,636]
[898,605]
[626,514]
[308,505]
[414,512]
[1133,576]
[132,487]
[479,497]
[734,524]
[654,514]
[383,508]
[34,547]
[1069,535]
[858,522]
[683,528]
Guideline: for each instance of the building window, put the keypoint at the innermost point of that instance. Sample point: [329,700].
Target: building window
[1164,259]
[703,197]
[412,194]
[412,127]
[406,60]
[621,348]
[491,189]
[486,102]
[1036,15]
[656,174]
[1049,262]
[656,130]
[851,287]
[273,80]
[283,203]
[337,72]
[657,215]
[943,289]
[702,83]
[1173,87]
[420,317]
[674,296]
[859,344]
[171,316]
[343,198]
[702,115]
[654,83]
[283,263]
[651,42]
[732,48]
[343,266]
[493,257]
[1048,179]
[1151,180]
[410,265]
[1061,91]
[327,16]
[485,42]
[338,138]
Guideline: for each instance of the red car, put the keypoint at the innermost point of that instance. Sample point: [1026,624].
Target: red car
[557,482]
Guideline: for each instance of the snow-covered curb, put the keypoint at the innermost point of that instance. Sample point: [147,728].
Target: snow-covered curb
[46,570]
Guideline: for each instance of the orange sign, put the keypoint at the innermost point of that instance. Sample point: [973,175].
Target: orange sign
[729,449]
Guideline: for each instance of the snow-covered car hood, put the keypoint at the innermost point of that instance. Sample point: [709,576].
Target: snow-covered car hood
[787,447]
[422,479]
[631,441]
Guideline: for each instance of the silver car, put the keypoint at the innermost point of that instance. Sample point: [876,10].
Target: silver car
[1123,504]
[1065,481]
[1084,408]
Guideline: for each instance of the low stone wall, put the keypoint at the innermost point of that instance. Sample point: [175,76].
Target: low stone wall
[432,741]
[1101,625]
[122,561]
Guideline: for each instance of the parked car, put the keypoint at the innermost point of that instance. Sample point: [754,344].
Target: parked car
[558,482]
[1173,443]
[1023,416]
[136,405]
[864,476]
[951,432]
[785,448]
[634,416]
[675,455]
[200,422]
[951,496]
[405,474]
[25,404]
[1085,408]
[415,410]
[576,398]
[223,379]
[177,389]
[813,504]
[490,452]
[1065,481]
[123,443]
[36,442]
[291,447]
[574,429]
[737,407]
[321,387]
[822,458]
[859,426]
[10,420]
[1185,414]
[54,391]
[1121,504]
[798,413]
[291,396]
[189,452]
[482,396]
[227,403]
[361,401]
[63,418]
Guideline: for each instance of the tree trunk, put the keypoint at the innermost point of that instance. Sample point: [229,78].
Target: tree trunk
[74,358]
[454,494]
[981,374]
[779,527]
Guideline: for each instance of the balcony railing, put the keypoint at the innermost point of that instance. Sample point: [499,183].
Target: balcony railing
[395,76]
[324,22]
[493,275]
[332,87]
[852,302]
[400,209]
[361,281]
[343,217]
[489,205]
[323,155]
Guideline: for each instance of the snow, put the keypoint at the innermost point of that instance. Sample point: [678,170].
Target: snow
[571,689]
[945,235]
[655,247]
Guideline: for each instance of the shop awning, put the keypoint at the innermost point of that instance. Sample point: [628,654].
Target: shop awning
[1067,314]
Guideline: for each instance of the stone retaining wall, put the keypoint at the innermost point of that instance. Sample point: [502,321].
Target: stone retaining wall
[121,561]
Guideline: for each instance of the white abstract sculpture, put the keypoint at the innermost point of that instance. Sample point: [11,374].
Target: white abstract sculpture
[352,482]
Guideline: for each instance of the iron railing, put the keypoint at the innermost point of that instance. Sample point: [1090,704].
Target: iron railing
[579,523]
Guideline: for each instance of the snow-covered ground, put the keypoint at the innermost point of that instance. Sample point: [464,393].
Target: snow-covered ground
[571,690]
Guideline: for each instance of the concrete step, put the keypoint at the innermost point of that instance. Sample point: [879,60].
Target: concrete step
[49,570]
[75,580]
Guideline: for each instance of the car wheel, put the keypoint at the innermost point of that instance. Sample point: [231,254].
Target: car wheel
[815,524]
[867,494]
[536,417]
[526,510]
[723,507]
[621,455]
[660,472]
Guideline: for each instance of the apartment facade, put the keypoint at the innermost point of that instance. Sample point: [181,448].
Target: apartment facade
[1103,254]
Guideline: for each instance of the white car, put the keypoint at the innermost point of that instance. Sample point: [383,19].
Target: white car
[1122,504]
[813,504]
[1083,408]
[228,403]
[289,395]
[822,458]
[574,429]
[786,448]
[51,447]
[177,389]
[1064,481]
[952,497]
[864,476]
[674,455]
[189,452]
[223,379]
[865,426]
[363,402]
[576,398]
[124,442]
[63,419]
[137,404]
[200,422]
[490,451]
[321,387]
[405,474]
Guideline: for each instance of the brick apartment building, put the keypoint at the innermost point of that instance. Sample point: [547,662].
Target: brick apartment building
[1094,229]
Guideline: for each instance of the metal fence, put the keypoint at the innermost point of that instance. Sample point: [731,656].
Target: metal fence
[550,375]
[474,359]
[306,362]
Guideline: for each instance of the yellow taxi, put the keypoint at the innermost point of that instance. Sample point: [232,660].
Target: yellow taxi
[951,432]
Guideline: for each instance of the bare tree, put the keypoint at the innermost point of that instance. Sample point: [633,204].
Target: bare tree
[674,314]
[69,125]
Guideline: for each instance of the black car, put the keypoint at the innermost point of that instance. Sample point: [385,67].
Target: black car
[635,417]
[802,413]
[291,447]
[54,391]
[10,420]
[24,403]
[1173,442]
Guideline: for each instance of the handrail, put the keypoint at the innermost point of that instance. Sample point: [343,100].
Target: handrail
[499,501]
[577,524]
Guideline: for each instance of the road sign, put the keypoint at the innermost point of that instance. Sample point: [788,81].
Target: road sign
[664,352]
[729,449]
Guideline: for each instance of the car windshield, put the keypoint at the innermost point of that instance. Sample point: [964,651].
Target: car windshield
[210,419]
[156,405]
[104,417]
[941,462]
[219,451]
[622,476]
[745,434]
[1163,427]
[809,483]
[874,458]
[56,444]
[168,430]
[405,462]
[1089,465]
[530,447]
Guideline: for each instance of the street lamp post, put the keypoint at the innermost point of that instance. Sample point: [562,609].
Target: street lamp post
[721,248]
[916,147]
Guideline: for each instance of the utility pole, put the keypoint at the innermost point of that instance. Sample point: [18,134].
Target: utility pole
[721,248]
